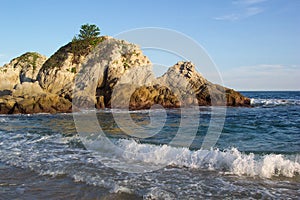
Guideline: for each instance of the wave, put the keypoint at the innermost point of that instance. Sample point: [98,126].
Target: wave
[36,152]
[230,161]
[52,155]
[274,102]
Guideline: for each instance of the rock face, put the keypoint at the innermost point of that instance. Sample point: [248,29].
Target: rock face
[58,72]
[113,74]
[113,64]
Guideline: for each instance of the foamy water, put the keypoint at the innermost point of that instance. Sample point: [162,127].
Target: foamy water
[274,102]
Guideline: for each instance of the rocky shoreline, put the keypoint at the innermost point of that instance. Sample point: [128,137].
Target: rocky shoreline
[114,74]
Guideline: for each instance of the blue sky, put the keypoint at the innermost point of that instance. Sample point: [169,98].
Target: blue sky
[254,43]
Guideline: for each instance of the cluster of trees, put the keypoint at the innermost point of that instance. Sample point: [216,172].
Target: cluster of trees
[84,42]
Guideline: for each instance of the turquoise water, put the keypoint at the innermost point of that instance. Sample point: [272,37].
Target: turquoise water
[256,155]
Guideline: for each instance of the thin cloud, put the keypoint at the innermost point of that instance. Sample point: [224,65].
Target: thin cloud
[253,11]
[248,8]
[263,77]
[248,2]
[249,12]
[229,17]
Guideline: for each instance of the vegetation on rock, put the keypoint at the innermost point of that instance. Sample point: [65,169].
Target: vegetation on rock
[81,45]
[85,41]
[29,58]
[58,58]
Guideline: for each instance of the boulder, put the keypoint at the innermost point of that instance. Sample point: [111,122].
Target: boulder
[147,96]
[44,103]
[235,98]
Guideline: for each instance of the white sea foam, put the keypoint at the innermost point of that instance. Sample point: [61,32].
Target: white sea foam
[229,161]
[158,193]
[121,189]
[274,102]
[3,120]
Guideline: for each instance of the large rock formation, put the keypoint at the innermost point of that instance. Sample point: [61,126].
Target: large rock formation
[114,74]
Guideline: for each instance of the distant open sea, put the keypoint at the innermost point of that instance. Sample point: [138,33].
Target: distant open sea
[257,156]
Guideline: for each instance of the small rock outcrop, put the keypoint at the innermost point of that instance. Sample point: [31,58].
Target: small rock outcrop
[184,81]
[20,91]
[21,69]
[193,88]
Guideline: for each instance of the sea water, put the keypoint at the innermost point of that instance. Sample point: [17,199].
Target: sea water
[256,155]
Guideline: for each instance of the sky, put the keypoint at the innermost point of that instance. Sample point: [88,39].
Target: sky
[255,44]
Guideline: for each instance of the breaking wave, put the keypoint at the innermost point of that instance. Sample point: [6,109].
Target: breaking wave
[230,161]
[274,102]
[53,155]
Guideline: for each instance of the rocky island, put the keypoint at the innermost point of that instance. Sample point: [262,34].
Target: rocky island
[121,77]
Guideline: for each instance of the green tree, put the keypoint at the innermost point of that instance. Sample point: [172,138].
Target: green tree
[89,31]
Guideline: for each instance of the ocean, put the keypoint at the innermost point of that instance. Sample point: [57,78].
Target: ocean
[255,154]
